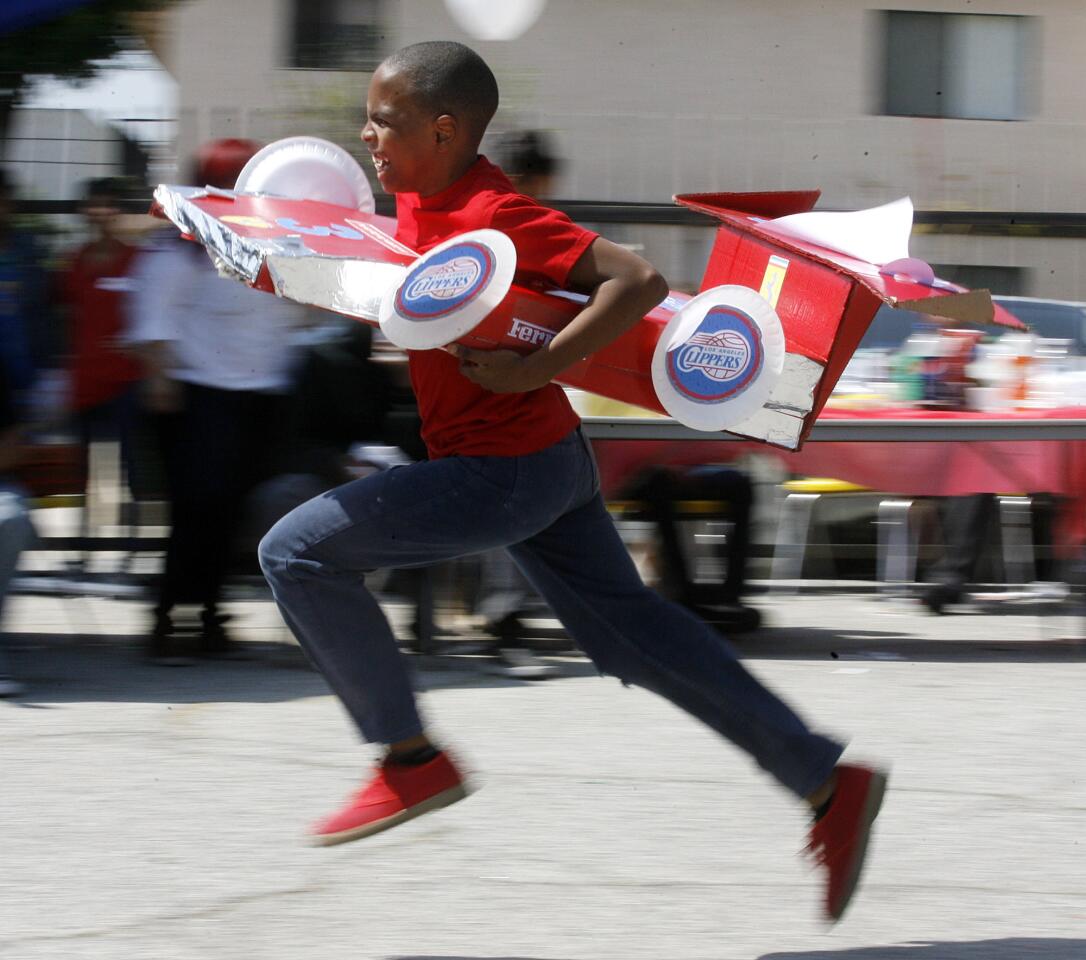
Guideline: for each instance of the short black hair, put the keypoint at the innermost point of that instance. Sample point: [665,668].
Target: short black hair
[103,188]
[451,78]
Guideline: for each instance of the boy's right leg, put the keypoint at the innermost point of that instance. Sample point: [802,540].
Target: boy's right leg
[583,570]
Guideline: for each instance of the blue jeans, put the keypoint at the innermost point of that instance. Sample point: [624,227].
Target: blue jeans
[547,510]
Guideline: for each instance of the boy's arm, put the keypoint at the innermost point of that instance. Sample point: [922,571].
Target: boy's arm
[623,288]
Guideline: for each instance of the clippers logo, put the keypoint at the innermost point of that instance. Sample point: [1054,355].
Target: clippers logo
[720,360]
[445,283]
[530,333]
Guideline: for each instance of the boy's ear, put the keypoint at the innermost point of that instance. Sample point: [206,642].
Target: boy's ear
[445,128]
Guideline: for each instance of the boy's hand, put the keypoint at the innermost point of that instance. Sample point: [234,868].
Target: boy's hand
[500,371]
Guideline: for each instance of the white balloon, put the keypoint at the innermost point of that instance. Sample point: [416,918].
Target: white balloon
[495,19]
[307,168]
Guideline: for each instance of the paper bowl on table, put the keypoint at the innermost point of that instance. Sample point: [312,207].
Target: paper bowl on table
[307,168]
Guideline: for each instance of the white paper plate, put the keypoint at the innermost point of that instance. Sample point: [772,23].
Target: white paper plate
[449,290]
[307,168]
[718,359]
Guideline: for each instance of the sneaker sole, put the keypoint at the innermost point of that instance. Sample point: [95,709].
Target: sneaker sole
[872,805]
[436,802]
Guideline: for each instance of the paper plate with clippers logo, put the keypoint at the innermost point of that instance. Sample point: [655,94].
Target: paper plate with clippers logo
[449,290]
[718,358]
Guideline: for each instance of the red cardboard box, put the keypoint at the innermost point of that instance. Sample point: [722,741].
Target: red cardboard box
[825,299]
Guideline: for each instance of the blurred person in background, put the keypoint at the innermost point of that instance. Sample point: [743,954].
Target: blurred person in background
[660,491]
[26,332]
[16,531]
[970,528]
[103,369]
[219,358]
[966,523]
[529,160]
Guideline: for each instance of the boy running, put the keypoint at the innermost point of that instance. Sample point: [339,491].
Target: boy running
[510,468]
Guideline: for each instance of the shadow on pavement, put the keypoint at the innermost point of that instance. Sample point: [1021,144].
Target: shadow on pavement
[1009,948]
[111,669]
[105,668]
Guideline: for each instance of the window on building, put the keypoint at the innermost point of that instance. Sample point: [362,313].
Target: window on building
[968,66]
[337,35]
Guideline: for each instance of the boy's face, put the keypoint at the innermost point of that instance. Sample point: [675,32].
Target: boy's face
[405,141]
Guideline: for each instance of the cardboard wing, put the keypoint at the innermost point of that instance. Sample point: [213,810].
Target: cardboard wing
[826,275]
[349,262]
[756,352]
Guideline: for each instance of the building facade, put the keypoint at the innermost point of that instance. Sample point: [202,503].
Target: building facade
[967,107]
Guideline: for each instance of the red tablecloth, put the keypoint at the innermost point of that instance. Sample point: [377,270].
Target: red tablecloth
[926,468]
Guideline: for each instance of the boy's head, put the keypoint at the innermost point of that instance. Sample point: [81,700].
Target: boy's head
[427,109]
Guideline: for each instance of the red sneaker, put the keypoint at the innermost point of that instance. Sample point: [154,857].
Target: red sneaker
[839,840]
[395,794]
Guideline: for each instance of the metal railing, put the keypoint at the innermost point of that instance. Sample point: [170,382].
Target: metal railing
[999,223]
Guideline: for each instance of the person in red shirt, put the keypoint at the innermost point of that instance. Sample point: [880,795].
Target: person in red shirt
[102,370]
[509,467]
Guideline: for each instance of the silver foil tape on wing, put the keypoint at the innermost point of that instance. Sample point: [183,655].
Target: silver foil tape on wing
[226,270]
[354,288]
[780,421]
[233,255]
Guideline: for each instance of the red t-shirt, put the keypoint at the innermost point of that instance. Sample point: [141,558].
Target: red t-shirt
[95,290]
[458,416]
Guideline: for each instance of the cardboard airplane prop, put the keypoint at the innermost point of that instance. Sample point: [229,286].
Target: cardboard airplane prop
[786,297]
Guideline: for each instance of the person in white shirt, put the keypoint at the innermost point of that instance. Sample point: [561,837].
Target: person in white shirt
[219,356]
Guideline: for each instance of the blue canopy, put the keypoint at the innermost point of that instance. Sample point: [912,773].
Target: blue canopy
[16,14]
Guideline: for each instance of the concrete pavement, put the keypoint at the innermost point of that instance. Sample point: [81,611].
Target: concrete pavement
[159,813]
